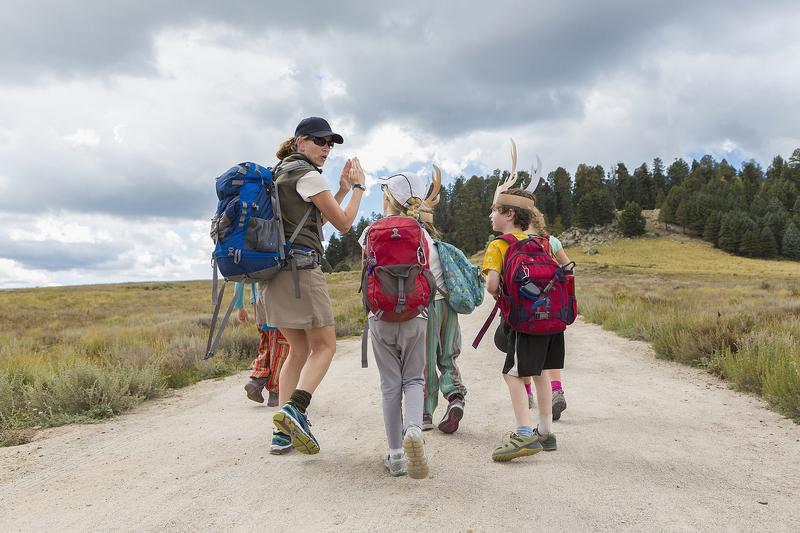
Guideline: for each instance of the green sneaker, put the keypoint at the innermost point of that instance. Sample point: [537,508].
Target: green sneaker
[517,446]
[548,440]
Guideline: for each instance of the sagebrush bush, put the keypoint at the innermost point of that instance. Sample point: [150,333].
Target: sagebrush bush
[84,389]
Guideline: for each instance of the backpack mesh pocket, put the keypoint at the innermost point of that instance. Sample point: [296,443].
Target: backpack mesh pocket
[263,235]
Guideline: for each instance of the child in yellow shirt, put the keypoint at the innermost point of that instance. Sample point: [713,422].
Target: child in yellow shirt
[526,355]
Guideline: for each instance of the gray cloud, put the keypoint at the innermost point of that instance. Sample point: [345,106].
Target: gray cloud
[193,87]
[60,256]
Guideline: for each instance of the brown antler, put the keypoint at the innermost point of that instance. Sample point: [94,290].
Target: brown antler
[436,179]
[433,199]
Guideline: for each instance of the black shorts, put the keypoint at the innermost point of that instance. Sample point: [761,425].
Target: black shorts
[528,355]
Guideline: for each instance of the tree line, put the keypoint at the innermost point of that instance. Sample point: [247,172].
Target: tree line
[747,211]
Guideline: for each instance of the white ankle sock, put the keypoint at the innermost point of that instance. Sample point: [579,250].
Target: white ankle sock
[545,424]
[396,453]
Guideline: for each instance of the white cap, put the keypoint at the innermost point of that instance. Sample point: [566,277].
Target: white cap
[404,186]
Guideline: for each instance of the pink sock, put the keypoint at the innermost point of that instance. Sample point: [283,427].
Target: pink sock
[528,388]
[555,385]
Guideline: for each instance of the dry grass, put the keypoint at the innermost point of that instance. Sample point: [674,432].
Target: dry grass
[736,316]
[85,353]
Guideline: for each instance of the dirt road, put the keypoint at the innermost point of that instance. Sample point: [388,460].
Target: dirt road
[644,445]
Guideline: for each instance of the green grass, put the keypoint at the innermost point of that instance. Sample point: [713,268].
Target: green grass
[738,317]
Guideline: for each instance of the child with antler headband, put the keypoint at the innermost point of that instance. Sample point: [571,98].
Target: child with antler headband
[515,216]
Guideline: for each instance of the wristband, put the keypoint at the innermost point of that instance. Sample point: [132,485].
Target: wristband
[358,186]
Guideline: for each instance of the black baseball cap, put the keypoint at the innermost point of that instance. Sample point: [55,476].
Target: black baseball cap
[317,127]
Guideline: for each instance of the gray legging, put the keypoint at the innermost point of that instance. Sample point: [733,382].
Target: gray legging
[399,349]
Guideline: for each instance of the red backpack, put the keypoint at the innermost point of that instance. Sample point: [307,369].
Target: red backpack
[537,296]
[396,280]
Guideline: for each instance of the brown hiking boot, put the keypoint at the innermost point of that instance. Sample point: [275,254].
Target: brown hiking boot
[254,392]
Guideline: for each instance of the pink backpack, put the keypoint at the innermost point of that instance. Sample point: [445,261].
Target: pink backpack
[537,296]
[396,281]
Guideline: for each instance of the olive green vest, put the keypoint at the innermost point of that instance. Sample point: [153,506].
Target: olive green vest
[293,207]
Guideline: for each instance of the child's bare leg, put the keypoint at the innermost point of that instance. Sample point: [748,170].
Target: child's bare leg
[519,399]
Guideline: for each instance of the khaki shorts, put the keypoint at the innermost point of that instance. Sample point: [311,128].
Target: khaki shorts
[283,310]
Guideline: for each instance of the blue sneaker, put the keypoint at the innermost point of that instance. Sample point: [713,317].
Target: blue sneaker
[281,443]
[292,422]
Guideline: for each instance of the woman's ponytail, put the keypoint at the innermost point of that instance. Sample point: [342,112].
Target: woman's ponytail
[287,147]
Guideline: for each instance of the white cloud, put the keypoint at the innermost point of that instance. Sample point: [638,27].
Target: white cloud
[103,148]
[83,137]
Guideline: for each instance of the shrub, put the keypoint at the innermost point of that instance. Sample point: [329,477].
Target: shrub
[631,220]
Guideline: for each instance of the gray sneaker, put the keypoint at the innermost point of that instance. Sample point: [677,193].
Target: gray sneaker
[416,454]
[396,465]
[559,404]
[548,440]
[427,422]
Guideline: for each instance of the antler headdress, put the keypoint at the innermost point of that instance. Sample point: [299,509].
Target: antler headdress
[432,200]
[500,195]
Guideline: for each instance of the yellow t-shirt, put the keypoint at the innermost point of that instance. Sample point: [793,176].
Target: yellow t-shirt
[496,251]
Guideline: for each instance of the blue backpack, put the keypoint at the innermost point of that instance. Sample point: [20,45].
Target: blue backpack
[465,285]
[248,233]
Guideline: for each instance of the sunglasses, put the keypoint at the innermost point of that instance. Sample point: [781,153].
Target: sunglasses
[319,141]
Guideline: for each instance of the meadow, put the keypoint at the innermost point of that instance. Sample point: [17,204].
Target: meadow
[737,317]
[80,354]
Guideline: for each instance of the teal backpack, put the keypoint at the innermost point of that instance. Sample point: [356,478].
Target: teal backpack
[463,280]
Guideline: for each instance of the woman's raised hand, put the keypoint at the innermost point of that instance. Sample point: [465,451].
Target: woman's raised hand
[356,173]
[344,178]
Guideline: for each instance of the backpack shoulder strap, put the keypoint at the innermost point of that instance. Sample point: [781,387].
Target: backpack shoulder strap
[507,237]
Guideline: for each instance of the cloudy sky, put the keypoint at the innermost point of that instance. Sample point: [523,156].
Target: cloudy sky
[116,116]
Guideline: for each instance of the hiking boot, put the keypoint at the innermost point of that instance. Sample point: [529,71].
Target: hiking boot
[427,422]
[281,443]
[453,415]
[396,465]
[254,391]
[559,404]
[416,454]
[291,421]
[547,440]
[517,446]
[272,401]
[531,401]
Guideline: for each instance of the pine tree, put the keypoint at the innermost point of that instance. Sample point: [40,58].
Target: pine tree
[769,247]
[750,246]
[631,221]
[645,194]
[711,231]
[677,172]
[728,238]
[561,183]
[791,242]
[334,252]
